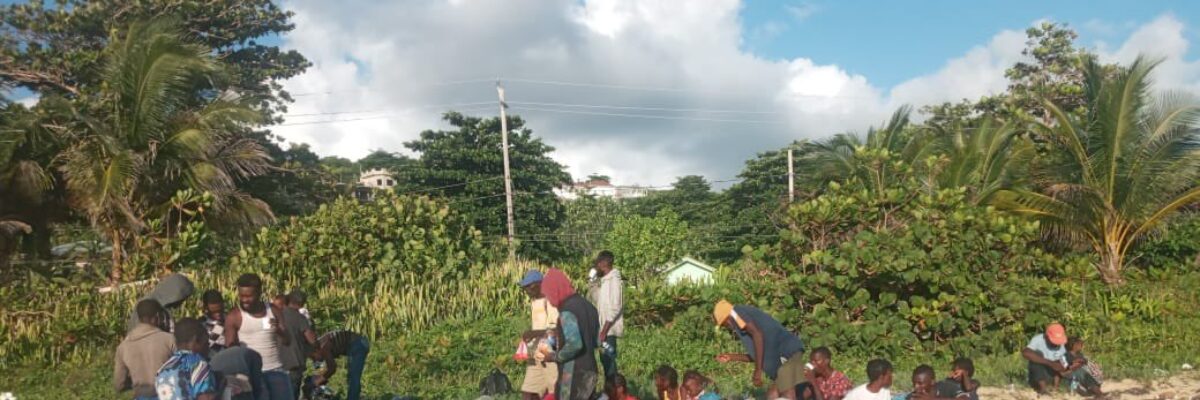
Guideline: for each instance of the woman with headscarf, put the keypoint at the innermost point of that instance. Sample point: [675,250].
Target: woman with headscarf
[579,325]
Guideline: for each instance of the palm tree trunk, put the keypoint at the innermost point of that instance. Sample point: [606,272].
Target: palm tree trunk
[115,276]
[1112,260]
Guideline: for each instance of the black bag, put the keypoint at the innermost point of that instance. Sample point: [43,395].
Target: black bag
[495,384]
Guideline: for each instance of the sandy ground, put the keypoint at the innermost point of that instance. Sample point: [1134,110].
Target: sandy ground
[1179,387]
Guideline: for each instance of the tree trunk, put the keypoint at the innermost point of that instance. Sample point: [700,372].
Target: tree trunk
[115,276]
[1111,262]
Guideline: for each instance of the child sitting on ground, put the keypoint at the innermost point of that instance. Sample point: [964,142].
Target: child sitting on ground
[922,382]
[695,387]
[960,384]
[1086,378]
[666,383]
[879,371]
[616,389]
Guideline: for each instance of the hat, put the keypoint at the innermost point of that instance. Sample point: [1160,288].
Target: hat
[531,277]
[1056,334]
[722,311]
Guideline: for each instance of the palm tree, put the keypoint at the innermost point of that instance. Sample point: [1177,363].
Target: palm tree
[163,129]
[1127,164]
[837,158]
[984,158]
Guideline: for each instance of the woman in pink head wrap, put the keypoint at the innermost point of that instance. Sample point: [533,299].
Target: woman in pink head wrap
[556,287]
[579,324]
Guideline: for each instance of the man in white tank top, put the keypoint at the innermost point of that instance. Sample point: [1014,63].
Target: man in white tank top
[259,326]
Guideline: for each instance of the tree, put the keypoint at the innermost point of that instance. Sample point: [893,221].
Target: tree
[342,169]
[60,49]
[1054,71]
[643,245]
[161,136]
[396,163]
[1129,163]
[588,221]
[983,158]
[29,142]
[690,197]
[1055,75]
[834,160]
[298,183]
[752,207]
[465,165]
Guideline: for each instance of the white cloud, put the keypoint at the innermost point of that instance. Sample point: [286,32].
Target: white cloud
[410,57]
[802,10]
[978,73]
[690,47]
[1162,39]
[1100,27]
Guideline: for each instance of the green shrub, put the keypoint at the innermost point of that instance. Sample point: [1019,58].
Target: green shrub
[397,263]
[642,245]
[902,268]
[1177,246]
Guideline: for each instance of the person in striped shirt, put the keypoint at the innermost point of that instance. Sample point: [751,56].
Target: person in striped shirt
[342,343]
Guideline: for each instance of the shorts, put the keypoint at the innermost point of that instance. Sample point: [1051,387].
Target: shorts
[540,378]
[790,374]
[1039,373]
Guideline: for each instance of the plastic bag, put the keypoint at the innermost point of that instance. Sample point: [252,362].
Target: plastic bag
[522,353]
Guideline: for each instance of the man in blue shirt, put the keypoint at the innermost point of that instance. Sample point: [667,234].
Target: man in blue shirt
[772,349]
[1048,358]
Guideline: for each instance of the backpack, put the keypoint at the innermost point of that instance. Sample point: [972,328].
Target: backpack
[496,383]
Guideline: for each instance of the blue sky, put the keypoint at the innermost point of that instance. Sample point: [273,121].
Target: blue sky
[890,41]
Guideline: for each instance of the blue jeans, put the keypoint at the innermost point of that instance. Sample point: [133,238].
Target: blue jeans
[278,385]
[608,358]
[356,359]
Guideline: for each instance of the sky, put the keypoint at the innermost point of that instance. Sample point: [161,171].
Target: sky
[647,91]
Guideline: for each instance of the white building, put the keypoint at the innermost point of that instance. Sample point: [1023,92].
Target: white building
[689,270]
[378,178]
[601,188]
[371,180]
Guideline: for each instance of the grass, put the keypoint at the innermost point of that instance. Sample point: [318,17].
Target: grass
[1154,336]
[449,360]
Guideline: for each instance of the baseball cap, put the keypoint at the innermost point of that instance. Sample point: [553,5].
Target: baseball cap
[1056,334]
[721,311]
[531,277]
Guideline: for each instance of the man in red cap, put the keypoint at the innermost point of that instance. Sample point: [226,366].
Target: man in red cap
[1048,358]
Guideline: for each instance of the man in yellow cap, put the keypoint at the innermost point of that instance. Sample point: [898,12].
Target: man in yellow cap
[769,346]
[1048,358]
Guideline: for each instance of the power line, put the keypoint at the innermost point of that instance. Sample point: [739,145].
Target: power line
[332,121]
[655,89]
[477,103]
[648,116]
[446,83]
[533,103]
[450,186]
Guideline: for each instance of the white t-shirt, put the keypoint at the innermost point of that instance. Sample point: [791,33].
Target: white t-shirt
[1039,344]
[861,393]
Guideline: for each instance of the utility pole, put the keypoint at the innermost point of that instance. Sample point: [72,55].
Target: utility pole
[791,178]
[508,200]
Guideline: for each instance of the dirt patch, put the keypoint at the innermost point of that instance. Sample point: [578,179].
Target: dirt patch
[1178,387]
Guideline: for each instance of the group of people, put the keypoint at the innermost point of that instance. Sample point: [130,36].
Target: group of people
[260,350]
[567,331]
[257,351]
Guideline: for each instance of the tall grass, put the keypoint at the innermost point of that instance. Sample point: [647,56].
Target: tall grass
[48,324]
